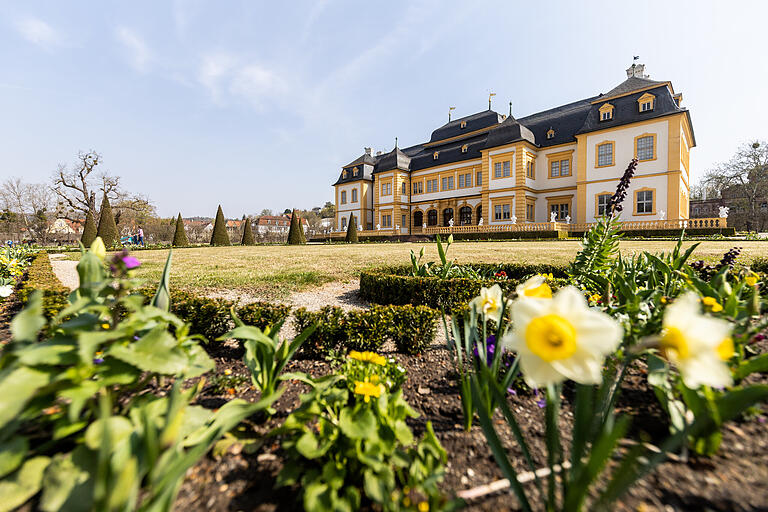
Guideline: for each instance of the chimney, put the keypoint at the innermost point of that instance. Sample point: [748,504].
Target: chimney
[368,151]
[636,70]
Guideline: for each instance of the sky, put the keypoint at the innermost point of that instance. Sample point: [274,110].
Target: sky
[258,104]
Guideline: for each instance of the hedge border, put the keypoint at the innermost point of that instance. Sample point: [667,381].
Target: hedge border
[393,285]
[40,276]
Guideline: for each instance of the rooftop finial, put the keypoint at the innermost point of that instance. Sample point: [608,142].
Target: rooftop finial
[395,142]
[490,95]
[449,113]
[510,109]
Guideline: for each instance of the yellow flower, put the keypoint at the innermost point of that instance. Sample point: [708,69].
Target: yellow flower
[98,248]
[664,300]
[423,506]
[227,372]
[490,302]
[751,279]
[697,344]
[561,338]
[595,298]
[368,357]
[534,288]
[368,390]
[105,326]
[712,303]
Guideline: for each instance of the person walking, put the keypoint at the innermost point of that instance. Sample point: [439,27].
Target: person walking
[141,236]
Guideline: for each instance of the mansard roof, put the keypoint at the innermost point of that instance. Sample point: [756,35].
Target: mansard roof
[473,122]
[365,158]
[395,159]
[631,84]
[510,130]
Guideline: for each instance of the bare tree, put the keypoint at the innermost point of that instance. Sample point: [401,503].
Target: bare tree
[80,187]
[743,180]
[32,205]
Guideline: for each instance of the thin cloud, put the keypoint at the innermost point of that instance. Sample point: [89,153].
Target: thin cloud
[223,75]
[138,51]
[38,32]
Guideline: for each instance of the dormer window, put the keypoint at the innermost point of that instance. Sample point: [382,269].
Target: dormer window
[435,155]
[355,172]
[551,134]
[344,174]
[463,124]
[645,103]
[464,148]
[606,112]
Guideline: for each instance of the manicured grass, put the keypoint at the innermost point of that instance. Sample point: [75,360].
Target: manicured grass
[273,272]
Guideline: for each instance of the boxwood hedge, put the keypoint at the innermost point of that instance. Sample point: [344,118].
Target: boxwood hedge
[40,276]
[395,285]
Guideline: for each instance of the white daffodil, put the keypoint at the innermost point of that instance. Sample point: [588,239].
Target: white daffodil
[562,338]
[699,345]
[6,290]
[490,302]
[535,288]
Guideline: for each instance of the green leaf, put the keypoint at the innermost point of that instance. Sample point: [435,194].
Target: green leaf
[12,452]
[307,445]
[23,484]
[750,366]
[162,298]
[119,428]
[49,352]
[359,423]
[157,351]
[26,325]
[68,482]
[16,388]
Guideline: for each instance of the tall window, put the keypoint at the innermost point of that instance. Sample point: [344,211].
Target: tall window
[461,181]
[418,219]
[403,188]
[506,212]
[479,214]
[479,180]
[529,211]
[465,216]
[386,189]
[465,180]
[354,195]
[605,154]
[343,197]
[497,170]
[497,212]
[355,172]
[602,204]
[432,218]
[447,216]
[507,169]
[418,187]
[558,168]
[644,201]
[343,223]
[645,147]
[529,171]
[403,221]
[560,209]
[448,183]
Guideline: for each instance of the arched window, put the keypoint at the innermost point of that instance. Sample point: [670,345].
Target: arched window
[479,213]
[418,219]
[432,218]
[447,216]
[465,216]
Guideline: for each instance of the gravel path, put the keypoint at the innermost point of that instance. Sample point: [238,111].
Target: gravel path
[65,270]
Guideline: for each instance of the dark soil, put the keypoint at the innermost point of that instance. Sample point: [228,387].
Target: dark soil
[735,479]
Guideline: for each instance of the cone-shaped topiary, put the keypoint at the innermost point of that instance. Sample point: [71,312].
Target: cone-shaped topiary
[107,227]
[220,236]
[179,235]
[89,230]
[296,232]
[351,230]
[247,233]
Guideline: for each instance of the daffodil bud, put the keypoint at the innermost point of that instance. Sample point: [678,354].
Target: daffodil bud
[98,248]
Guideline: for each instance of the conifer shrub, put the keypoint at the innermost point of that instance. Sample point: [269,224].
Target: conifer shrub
[247,233]
[296,232]
[220,236]
[351,230]
[179,235]
[89,230]
[107,228]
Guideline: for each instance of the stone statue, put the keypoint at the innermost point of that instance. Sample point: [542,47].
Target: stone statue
[397,227]
[553,217]
[567,219]
[378,227]
[424,226]
[480,222]
[450,222]
[662,215]
[514,219]
[724,212]
[361,227]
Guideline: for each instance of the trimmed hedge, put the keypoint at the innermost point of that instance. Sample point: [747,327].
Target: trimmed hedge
[394,285]
[759,265]
[513,235]
[40,276]
[413,328]
[660,233]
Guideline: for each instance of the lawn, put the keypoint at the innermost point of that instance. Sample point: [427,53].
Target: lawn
[273,272]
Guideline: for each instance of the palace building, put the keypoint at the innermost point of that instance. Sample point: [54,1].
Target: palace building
[491,169]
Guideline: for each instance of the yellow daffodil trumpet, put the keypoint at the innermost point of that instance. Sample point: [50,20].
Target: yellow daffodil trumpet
[535,288]
[490,302]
